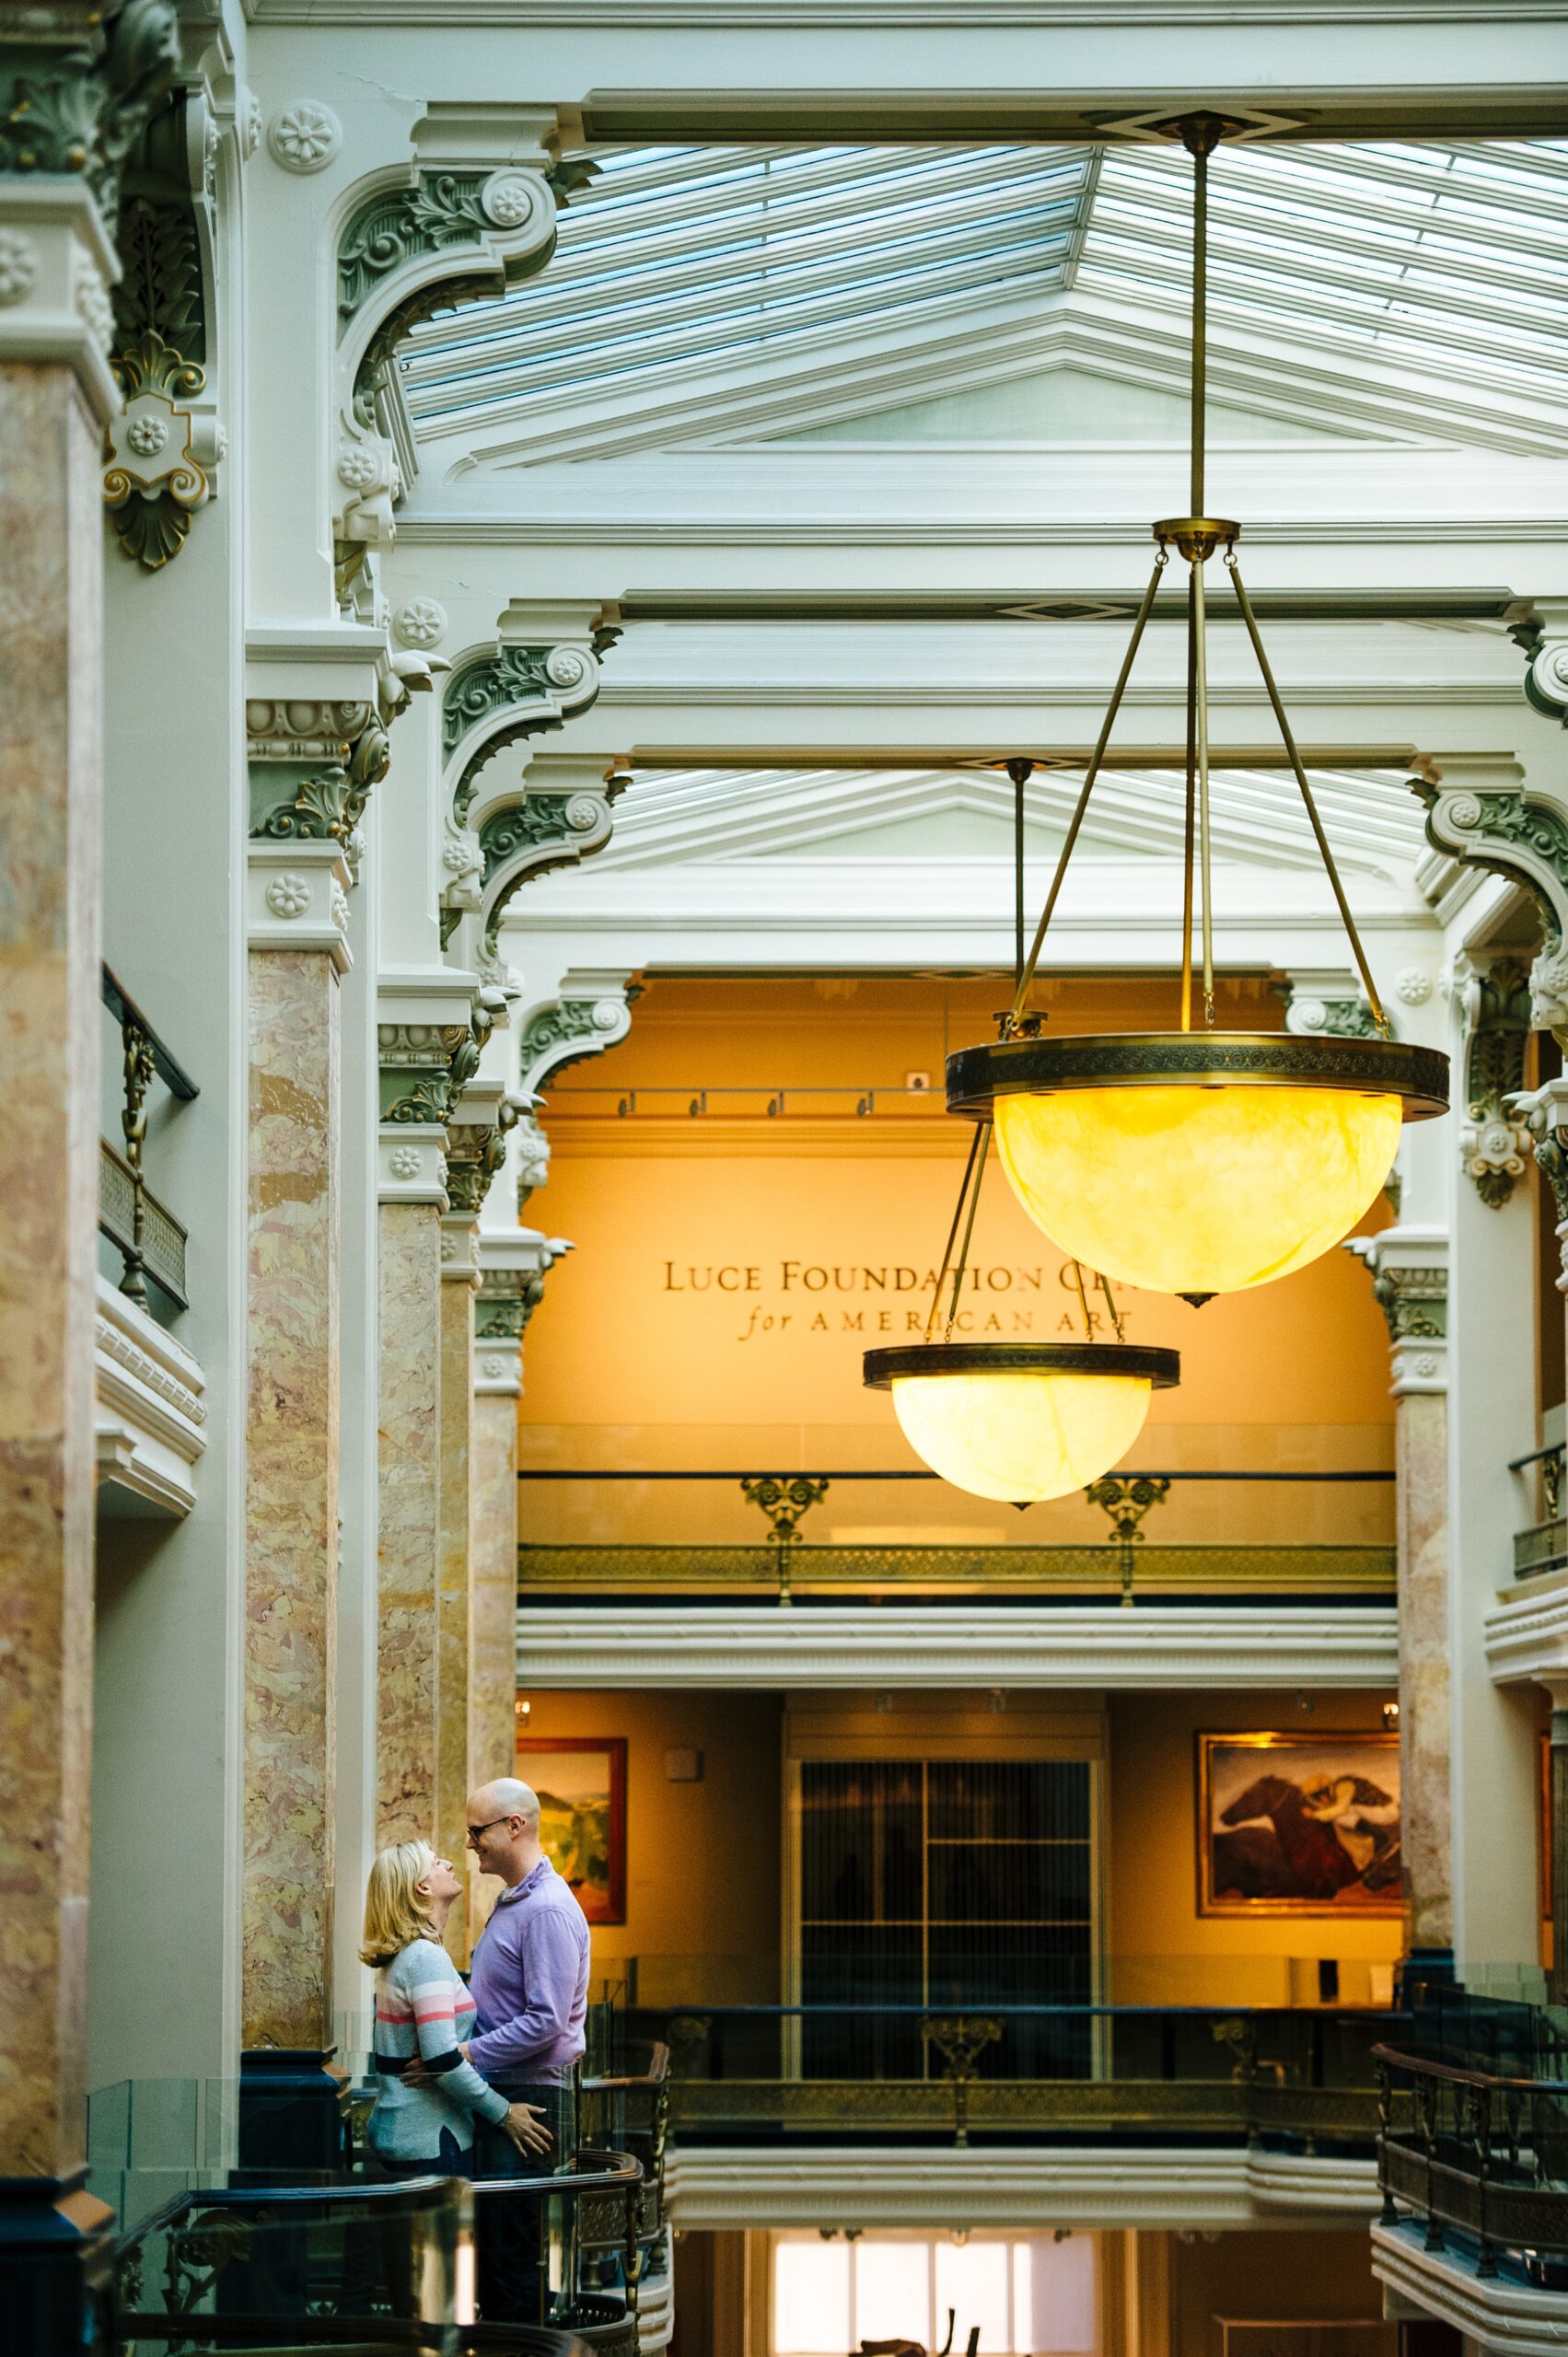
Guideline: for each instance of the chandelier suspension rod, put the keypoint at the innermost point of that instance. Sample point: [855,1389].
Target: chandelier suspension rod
[1191,812]
[977,1145]
[982,1138]
[1027,977]
[1196,138]
[1247,616]
[1020,771]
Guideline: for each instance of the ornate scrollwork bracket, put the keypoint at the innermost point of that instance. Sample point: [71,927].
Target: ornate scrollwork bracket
[1125,1500]
[785,1499]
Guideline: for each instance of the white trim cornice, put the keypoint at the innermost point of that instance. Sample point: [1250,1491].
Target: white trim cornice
[632,1646]
[1491,2313]
[1527,1635]
[865,2185]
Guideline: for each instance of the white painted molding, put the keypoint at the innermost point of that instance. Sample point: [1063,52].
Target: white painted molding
[56,268]
[655,2300]
[296,898]
[1527,1635]
[640,1645]
[1492,2314]
[149,1413]
[871,2186]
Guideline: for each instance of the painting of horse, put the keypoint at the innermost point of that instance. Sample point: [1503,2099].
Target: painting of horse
[1298,1825]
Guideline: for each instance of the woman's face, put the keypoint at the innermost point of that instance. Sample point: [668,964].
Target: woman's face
[441,1882]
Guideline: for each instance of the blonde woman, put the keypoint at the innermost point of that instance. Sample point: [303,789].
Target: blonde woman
[423,2014]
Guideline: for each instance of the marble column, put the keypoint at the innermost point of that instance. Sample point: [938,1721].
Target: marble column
[52,413]
[1409,1269]
[416,1041]
[459,1282]
[297,914]
[509,1283]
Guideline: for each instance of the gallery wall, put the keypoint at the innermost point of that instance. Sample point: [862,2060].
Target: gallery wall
[731,1267]
[705,1858]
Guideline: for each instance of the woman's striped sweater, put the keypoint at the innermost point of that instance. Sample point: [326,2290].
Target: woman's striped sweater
[423,2011]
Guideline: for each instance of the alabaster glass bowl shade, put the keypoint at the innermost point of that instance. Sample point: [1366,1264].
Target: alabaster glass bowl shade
[1197,1190]
[1020,1437]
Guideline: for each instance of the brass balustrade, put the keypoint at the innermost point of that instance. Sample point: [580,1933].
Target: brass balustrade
[1474,2153]
[149,1239]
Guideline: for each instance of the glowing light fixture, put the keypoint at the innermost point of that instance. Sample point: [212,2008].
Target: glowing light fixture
[1196,1161]
[1016,1420]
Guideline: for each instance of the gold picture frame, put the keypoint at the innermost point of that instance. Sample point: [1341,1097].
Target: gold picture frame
[1312,1828]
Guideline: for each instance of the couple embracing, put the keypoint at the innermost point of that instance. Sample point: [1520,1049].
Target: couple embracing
[478,2081]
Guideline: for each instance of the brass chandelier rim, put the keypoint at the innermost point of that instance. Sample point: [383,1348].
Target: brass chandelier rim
[1160,1367]
[977,1076]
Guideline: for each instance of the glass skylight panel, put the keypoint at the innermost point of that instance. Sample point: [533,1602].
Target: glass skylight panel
[676,257]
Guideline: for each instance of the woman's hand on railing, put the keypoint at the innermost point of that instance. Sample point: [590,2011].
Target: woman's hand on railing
[524,2127]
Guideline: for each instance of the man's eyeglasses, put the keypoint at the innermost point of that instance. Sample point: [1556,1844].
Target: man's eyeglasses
[475,1830]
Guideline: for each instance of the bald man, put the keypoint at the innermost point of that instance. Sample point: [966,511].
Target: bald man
[529,1983]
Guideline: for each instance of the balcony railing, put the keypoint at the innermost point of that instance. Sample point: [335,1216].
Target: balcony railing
[1542,1544]
[1480,2158]
[1026,2073]
[1122,1564]
[149,1239]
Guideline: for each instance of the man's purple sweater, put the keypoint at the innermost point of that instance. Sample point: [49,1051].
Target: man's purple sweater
[529,1981]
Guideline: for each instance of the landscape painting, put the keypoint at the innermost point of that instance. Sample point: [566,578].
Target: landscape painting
[581,1784]
[1298,1825]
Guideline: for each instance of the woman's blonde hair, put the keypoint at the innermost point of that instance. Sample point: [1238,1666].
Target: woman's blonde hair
[394,1912]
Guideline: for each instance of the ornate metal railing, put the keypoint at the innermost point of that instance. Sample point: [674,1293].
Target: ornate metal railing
[149,1239]
[1478,2156]
[787,1560]
[1543,1546]
[825,2073]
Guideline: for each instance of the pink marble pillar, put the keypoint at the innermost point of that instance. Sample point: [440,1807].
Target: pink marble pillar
[500,1311]
[291,1508]
[51,800]
[406,1731]
[460,1281]
[1411,1281]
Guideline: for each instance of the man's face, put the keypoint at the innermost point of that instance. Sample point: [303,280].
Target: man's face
[490,1838]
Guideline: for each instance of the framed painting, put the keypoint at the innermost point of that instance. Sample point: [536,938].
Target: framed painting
[1298,1825]
[581,1784]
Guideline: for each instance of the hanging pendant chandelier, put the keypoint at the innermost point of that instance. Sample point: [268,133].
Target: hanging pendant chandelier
[1019,1422]
[1198,1161]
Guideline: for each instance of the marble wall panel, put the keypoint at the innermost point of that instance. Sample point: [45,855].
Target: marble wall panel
[51,811]
[1422,1446]
[410,1504]
[291,1496]
[492,1672]
[452,1604]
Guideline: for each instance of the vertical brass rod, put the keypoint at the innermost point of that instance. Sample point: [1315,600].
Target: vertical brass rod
[1083,1300]
[1020,771]
[1201,700]
[981,1129]
[1247,616]
[1092,773]
[982,1140]
[1190,816]
[1200,318]
[1110,1304]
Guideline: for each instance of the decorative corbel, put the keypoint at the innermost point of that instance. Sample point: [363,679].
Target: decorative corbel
[541,669]
[591,1012]
[1495,1006]
[477,1132]
[1480,813]
[366,488]
[1539,627]
[162,451]
[1544,1113]
[563,815]
[460,225]
[1328,1004]
[533,1157]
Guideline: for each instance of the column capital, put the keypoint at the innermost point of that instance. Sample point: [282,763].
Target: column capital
[320,701]
[296,898]
[460,1241]
[423,1022]
[513,1268]
[1326,1002]
[482,1116]
[1492,997]
[1409,1267]
[56,268]
[1544,1114]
